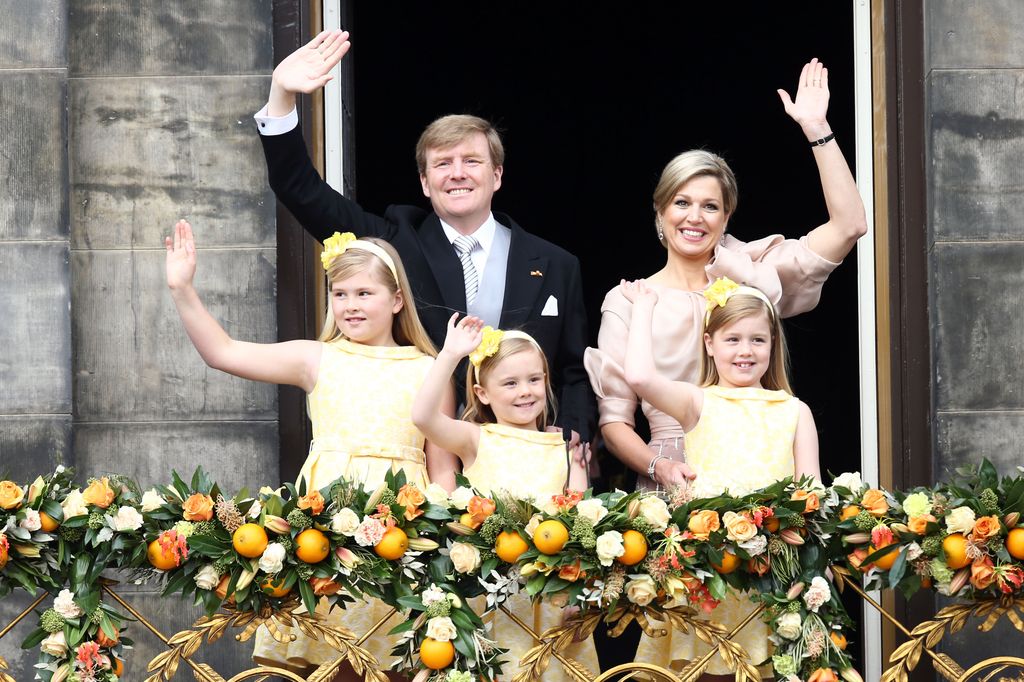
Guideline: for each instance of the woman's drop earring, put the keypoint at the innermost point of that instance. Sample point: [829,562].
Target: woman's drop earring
[661,232]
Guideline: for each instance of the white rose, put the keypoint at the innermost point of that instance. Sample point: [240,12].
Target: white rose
[532,524]
[207,577]
[641,591]
[31,521]
[788,625]
[850,481]
[609,547]
[65,605]
[441,628]
[127,518]
[345,522]
[817,594]
[255,509]
[460,497]
[960,520]
[105,534]
[152,500]
[592,510]
[465,557]
[272,560]
[435,494]
[55,645]
[654,510]
[914,551]
[755,546]
[73,505]
[432,595]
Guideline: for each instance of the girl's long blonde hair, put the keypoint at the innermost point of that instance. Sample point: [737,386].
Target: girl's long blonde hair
[406,327]
[479,413]
[736,308]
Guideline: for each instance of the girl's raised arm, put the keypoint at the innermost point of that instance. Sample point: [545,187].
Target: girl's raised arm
[451,434]
[805,445]
[295,363]
[441,464]
[678,399]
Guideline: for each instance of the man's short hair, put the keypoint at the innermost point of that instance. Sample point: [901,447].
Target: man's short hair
[448,131]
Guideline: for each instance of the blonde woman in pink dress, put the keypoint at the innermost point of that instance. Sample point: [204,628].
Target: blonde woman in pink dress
[693,202]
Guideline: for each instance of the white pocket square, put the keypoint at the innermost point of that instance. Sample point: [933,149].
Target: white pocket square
[550,307]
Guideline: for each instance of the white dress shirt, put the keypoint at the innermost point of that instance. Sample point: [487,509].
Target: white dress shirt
[485,238]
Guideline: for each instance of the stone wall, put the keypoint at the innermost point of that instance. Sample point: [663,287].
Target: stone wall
[974,66]
[116,118]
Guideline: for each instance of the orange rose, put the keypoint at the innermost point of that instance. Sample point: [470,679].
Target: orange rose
[823,675]
[480,508]
[985,527]
[324,587]
[198,507]
[982,573]
[810,499]
[759,564]
[570,573]
[3,551]
[874,502]
[919,524]
[703,523]
[312,501]
[99,493]
[11,495]
[856,559]
[411,498]
[739,527]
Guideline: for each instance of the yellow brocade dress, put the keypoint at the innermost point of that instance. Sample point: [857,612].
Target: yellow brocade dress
[527,464]
[743,441]
[360,412]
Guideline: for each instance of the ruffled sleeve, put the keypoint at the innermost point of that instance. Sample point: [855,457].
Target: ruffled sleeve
[786,270]
[616,401]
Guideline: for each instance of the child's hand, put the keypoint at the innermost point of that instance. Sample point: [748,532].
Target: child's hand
[181,256]
[638,292]
[463,337]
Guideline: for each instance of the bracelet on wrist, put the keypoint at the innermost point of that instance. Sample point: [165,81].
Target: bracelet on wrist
[823,140]
[650,467]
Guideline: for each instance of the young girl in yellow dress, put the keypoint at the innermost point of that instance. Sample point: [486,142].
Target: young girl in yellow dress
[744,430]
[360,378]
[503,447]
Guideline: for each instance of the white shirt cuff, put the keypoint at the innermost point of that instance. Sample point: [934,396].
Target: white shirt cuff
[276,125]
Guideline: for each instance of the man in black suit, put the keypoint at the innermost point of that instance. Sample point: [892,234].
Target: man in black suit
[460,256]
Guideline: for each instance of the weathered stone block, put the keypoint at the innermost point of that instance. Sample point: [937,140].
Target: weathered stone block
[33,139]
[978,329]
[235,454]
[35,364]
[976,140]
[974,34]
[20,660]
[964,438]
[147,152]
[132,358]
[174,38]
[34,34]
[31,446]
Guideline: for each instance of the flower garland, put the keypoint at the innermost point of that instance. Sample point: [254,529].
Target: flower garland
[427,553]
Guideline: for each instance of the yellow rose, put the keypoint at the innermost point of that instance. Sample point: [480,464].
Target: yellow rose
[410,497]
[985,527]
[874,502]
[703,523]
[312,501]
[738,527]
[198,507]
[11,495]
[99,493]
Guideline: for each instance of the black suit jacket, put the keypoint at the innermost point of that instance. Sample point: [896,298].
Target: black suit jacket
[536,270]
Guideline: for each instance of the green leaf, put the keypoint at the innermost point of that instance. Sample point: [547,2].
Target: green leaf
[53,510]
[308,598]
[404,626]
[464,644]
[107,626]
[34,638]
[412,602]
[899,567]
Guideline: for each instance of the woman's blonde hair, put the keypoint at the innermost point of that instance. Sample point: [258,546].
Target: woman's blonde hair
[406,327]
[479,413]
[736,308]
[688,165]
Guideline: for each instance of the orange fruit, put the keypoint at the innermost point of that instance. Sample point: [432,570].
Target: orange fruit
[103,640]
[886,561]
[839,639]
[274,587]
[635,544]
[249,540]
[435,654]
[1015,543]
[771,524]
[393,544]
[47,523]
[312,546]
[926,582]
[954,547]
[849,512]
[730,562]
[117,665]
[550,536]
[509,546]
[158,558]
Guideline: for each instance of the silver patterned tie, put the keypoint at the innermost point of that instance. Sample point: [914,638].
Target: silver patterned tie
[464,245]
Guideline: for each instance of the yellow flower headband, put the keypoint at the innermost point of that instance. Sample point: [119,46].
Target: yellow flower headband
[492,341]
[339,243]
[719,293]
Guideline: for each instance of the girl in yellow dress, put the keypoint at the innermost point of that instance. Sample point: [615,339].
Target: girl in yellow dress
[360,378]
[503,447]
[744,430]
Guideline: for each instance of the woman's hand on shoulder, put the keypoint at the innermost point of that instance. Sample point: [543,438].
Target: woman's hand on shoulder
[637,292]
[463,336]
[810,107]
[181,256]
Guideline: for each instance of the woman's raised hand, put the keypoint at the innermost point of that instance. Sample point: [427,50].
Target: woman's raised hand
[637,291]
[309,68]
[463,336]
[181,256]
[810,107]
